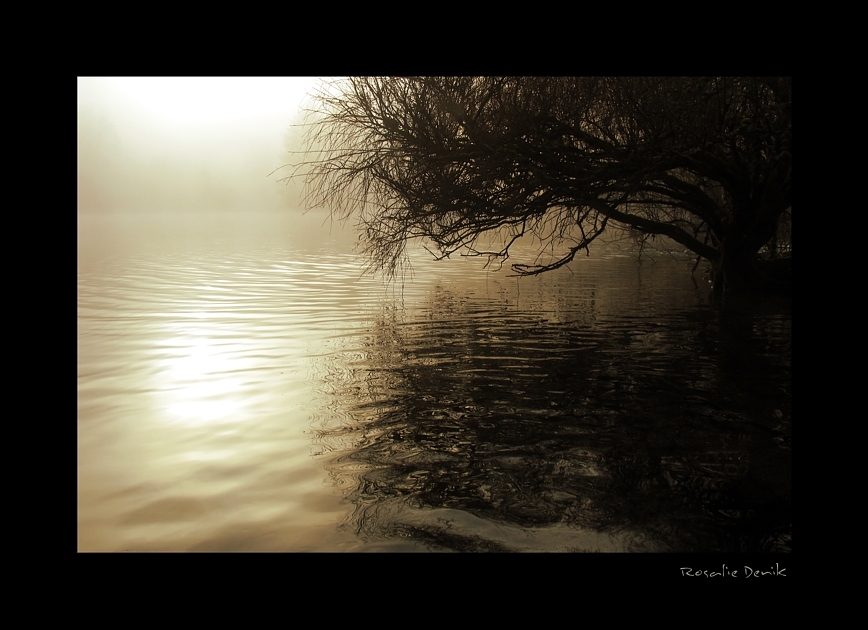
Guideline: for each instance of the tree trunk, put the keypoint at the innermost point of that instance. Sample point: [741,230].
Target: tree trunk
[738,262]
[739,272]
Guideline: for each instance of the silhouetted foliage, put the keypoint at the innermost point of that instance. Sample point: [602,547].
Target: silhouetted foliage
[703,161]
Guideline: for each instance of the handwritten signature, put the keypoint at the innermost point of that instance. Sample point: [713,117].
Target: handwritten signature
[726,571]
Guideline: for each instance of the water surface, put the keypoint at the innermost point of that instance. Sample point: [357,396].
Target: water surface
[261,394]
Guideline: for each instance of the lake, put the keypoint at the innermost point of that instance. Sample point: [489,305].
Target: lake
[243,387]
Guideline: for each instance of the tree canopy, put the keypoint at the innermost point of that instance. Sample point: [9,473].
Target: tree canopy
[704,161]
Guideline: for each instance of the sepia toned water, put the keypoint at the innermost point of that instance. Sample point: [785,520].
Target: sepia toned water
[260,394]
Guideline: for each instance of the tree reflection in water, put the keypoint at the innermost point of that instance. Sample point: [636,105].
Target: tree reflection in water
[473,426]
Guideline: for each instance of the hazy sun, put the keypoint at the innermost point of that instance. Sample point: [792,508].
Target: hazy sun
[210,99]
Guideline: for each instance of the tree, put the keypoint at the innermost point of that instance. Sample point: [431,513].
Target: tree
[705,162]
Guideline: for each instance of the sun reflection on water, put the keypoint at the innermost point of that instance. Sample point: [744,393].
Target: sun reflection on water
[200,381]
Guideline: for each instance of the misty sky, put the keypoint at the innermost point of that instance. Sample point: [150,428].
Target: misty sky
[157,145]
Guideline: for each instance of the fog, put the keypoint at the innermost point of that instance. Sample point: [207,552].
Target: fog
[189,157]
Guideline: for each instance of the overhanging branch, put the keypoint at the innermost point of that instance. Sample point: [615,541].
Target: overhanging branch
[653,227]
